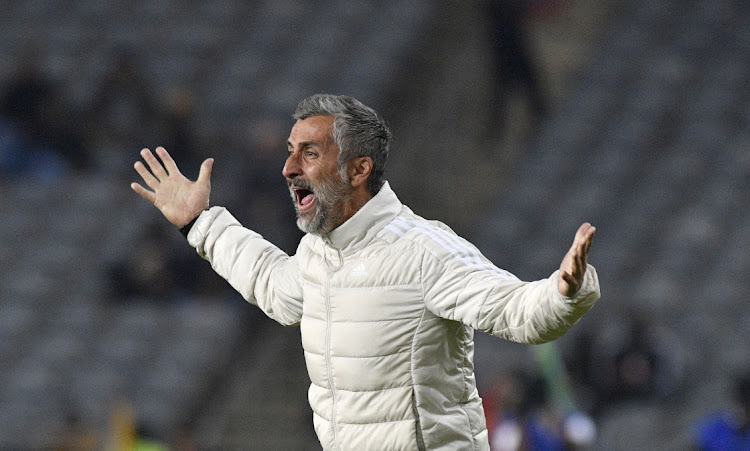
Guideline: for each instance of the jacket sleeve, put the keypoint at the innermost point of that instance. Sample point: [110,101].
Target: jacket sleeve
[496,302]
[262,273]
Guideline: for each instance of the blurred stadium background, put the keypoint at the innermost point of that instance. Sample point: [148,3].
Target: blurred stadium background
[111,328]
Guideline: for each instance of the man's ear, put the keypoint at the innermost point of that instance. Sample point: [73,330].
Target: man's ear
[359,170]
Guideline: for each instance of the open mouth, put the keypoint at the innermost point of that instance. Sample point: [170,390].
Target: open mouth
[305,198]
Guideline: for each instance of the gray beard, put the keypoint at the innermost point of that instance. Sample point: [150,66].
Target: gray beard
[329,196]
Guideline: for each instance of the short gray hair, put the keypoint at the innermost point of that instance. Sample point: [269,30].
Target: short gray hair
[357,130]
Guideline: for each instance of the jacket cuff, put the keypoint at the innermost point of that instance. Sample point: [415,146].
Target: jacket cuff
[198,232]
[589,292]
[184,230]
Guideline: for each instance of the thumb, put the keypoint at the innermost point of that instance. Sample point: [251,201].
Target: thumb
[204,176]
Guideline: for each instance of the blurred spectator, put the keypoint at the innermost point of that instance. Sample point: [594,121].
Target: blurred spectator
[76,437]
[156,270]
[39,131]
[729,430]
[521,416]
[543,424]
[635,366]
[502,405]
[514,68]
[638,362]
[125,115]
[147,440]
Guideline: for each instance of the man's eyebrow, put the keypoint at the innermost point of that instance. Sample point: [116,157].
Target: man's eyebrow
[304,144]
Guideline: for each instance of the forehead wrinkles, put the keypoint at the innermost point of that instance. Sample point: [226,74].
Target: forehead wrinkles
[315,129]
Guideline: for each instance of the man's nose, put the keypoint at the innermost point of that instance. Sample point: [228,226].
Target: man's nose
[291,168]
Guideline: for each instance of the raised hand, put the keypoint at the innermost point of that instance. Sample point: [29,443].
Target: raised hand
[573,266]
[179,199]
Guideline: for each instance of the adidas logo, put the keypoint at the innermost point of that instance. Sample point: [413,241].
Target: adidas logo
[359,270]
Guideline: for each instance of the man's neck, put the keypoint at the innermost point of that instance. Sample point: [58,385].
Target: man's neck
[358,198]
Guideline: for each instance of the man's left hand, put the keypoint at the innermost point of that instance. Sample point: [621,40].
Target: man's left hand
[573,266]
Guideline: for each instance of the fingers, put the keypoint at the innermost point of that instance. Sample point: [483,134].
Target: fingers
[585,231]
[573,282]
[576,264]
[143,192]
[583,239]
[580,249]
[571,274]
[155,165]
[204,176]
[147,177]
[573,266]
[169,163]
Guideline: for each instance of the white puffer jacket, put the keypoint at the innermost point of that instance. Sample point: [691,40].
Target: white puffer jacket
[387,306]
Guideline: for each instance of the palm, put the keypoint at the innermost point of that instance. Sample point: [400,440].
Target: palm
[178,198]
[177,202]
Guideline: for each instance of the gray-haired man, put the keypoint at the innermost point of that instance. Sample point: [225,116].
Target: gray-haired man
[387,301]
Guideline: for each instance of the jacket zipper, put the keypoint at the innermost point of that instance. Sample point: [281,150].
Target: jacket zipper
[329,274]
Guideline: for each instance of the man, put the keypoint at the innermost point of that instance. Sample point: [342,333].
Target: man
[387,301]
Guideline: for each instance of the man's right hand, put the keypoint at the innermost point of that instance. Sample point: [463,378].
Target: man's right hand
[179,199]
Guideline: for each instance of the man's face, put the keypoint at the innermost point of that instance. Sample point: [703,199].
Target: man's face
[318,187]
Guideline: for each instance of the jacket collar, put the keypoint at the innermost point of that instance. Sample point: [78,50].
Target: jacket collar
[360,229]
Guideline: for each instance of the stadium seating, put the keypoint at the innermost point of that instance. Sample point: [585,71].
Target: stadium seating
[651,146]
[68,351]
